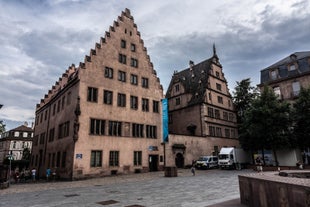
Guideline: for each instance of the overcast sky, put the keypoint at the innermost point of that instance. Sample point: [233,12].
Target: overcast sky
[40,39]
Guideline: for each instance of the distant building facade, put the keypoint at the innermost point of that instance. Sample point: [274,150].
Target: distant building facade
[104,116]
[202,117]
[287,76]
[15,141]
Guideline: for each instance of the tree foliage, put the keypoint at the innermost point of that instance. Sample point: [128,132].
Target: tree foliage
[2,127]
[243,96]
[301,117]
[267,123]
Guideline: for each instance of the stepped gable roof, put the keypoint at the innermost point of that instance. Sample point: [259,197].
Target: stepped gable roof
[194,80]
[22,128]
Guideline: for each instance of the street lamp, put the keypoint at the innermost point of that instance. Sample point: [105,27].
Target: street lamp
[10,157]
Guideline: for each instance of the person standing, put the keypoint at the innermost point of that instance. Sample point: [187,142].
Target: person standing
[48,173]
[33,173]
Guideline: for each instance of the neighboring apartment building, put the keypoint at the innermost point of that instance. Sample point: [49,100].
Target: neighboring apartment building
[103,117]
[14,141]
[288,75]
[202,118]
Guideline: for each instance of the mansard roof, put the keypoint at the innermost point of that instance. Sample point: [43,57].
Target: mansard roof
[22,128]
[301,58]
[194,80]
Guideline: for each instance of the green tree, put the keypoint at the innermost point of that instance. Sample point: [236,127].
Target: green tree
[243,96]
[267,123]
[26,154]
[2,127]
[301,120]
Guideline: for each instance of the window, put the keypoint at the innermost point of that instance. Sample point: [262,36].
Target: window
[133,102]
[16,134]
[122,58]
[217,114]
[114,158]
[25,134]
[54,109]
[225,115]
[231,117]
[42,138]
[218,132]
[115,128]
[296,88]
[57,159]
[92,94]
[123,43]
[145,104]
[210,112]
[220,99]
[273,74]
[217,74]
[292,67]
[63,102]
[277,91]
[14,144]
[156,106]
[212,131]
[151,131]
[137,158]
[107,97]
[97,127]
[145,82]
[45,115]
[108,72]
[69,98]
[51,135]
[134,62]
[134,79]
[177,88]
[63,159]
[233,134]
[137,130]
[133,47]
[227,133]
[96,158]
[218,86]
[121,100]
[58,106]
[63,130]
[35,140]
[178,101]
[122,76]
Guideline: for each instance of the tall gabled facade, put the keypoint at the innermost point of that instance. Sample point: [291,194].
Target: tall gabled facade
[288,75]
[200,105]
[104,116]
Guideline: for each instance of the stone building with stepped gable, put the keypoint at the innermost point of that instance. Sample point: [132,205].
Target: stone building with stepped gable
[202,117]
[104,116]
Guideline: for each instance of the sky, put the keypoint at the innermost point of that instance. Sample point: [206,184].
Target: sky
[40,39]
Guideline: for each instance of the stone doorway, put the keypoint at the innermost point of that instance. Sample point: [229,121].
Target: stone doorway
[179,160]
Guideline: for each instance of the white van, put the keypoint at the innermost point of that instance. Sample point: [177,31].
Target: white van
[207,162]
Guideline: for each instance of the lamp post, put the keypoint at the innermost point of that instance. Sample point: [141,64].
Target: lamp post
[10,157]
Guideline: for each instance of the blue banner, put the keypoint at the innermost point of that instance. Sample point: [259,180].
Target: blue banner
[165,119]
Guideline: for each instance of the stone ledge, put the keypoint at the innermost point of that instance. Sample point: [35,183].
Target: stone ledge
[269,189]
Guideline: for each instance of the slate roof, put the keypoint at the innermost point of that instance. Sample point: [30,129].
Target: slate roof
[194,81]
[303,66]
[22,128]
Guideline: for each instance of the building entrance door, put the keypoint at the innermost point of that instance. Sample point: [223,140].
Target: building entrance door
[153,163]
[179,160]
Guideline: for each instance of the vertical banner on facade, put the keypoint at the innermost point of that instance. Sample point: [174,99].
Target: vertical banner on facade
[165,119]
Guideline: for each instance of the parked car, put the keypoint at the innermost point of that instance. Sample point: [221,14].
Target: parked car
[207,162]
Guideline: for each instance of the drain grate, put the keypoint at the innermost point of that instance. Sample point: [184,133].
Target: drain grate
[108,202]
[135,206]
[71,195]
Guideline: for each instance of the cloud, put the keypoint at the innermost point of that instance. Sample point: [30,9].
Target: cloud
[40,39]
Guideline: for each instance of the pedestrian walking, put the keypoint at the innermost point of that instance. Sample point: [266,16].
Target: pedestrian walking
[193,170]
[33,173]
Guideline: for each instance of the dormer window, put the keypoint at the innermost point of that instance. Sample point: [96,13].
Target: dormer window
[292,67]
[273,74]
[177,88]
